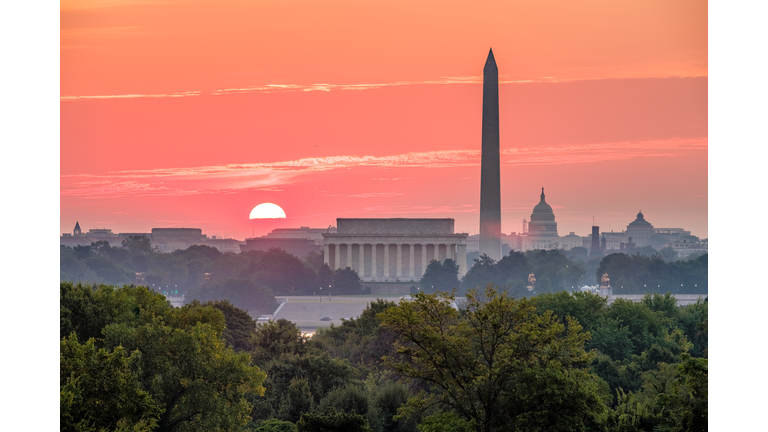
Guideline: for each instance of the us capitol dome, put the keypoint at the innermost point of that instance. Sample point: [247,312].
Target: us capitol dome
[542,229]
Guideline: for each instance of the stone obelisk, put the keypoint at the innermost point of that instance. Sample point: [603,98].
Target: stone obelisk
[490,175]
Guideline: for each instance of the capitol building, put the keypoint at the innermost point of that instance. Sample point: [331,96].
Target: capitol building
[541,233]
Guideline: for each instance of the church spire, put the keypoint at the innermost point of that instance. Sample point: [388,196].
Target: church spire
[77,229]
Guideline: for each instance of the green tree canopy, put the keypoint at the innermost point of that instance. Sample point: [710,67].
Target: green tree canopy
[440,276]
[497,363]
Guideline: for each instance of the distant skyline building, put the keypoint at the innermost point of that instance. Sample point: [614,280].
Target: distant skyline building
[595,240]
[542,229]
[490,169]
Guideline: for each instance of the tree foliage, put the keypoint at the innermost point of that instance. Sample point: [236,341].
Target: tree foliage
[440,276]
[499,363]
[177,358]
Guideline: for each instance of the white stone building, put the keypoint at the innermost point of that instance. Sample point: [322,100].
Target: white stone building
[393,250]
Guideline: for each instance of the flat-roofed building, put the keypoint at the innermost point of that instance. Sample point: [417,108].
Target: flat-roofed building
[393,250]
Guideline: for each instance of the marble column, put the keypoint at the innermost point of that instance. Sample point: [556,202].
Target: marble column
[410,263]
[327,255]
[449,252]
[462,260]
[374,267]
[349,255]
[423,258]
[386,261]
[338,256]
[399,261]
[437,252]
[361,260]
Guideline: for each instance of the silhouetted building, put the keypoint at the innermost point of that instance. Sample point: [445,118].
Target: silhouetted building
[299,247]
[542,229]
[315,234]
[171,239]
[77,230]
[490,169]
[640,229]
[595,240]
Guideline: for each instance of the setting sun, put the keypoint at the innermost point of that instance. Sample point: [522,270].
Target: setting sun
[267,211]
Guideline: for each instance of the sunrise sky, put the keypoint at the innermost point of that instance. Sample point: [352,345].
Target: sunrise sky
[190,113]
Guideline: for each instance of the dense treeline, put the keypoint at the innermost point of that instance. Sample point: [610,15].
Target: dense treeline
[557,270]
[557,361]
[249,280]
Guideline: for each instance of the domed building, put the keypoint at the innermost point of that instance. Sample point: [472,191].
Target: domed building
[640,230]
[542,229]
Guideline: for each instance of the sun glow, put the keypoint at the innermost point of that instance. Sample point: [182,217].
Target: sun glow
[267,211]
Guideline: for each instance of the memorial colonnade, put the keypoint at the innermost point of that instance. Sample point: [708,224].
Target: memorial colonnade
[393,258]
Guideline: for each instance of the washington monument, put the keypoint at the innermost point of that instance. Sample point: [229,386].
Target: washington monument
[490,176]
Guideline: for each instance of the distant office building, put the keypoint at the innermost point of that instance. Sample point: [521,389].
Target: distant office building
[171,239]
[224,245]
[299,247]
[513,240]
[315,234]
[571,241]
[595,240]
[473,243]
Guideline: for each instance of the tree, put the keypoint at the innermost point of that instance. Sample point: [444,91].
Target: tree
[668,254]
[280,271]
[100,389]
[101,247]
[315,260]
[275,425]
[138,244]
[274,338]
[297,400]
[239,325]
[167,271]
[445,422]
[346,281]
[362,340]
[242,293]
[182,362]
[440,277]
[82,252]
[497,363]
[196,380]
[350,398]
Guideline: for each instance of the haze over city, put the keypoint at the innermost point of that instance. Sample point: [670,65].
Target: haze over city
[190,115]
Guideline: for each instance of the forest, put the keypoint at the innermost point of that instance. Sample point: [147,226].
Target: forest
[251,280]
[558,361]
[507,358]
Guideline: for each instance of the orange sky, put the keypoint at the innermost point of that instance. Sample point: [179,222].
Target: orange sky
[189,113]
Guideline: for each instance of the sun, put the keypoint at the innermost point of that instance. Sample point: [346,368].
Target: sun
[267,211]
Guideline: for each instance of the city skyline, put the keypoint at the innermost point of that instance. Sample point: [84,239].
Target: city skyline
[393,129]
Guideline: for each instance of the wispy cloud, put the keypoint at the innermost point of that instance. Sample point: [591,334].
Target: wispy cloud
[70,5]
[273,176]
[371,195]
[283,88]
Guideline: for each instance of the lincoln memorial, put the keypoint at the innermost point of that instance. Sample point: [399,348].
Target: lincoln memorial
[393,250]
